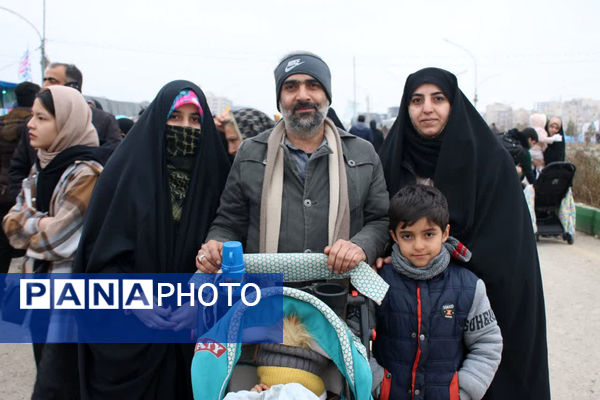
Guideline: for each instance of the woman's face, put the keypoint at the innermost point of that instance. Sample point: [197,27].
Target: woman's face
[429,109]
[554,126]
[187,116]
[42,127]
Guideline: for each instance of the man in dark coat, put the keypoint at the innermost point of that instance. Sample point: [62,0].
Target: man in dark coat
[361,129]
[11,126]
[106,125]
[377,135]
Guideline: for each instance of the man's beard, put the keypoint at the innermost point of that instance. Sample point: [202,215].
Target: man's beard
[307,124]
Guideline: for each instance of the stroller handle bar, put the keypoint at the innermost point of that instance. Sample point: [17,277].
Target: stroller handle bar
[302,267]
[299,267]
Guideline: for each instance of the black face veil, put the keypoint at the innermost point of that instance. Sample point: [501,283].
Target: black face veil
[488,213]
[129,228]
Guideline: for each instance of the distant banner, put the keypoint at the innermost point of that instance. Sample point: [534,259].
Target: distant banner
[141,308]
[25,67]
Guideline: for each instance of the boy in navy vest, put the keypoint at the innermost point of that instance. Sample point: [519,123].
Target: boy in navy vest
[437,336]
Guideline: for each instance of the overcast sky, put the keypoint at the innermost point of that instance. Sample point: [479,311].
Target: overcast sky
[525,51]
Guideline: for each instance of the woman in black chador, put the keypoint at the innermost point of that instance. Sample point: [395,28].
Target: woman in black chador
[439,138]
[150,212]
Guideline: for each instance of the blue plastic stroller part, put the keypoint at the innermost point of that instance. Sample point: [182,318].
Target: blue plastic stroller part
[232,265]
[233,258]
[213,362]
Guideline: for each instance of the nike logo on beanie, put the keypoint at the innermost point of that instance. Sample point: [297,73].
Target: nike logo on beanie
[293,64]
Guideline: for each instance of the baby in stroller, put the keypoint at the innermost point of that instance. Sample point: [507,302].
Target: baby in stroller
[292,368]
[329,340]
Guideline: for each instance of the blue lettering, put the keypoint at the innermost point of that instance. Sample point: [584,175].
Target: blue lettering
[30,293]
[137,288]
[68,294]
[108,297]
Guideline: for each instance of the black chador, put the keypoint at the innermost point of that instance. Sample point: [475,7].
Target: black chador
[130,228]
[489,215]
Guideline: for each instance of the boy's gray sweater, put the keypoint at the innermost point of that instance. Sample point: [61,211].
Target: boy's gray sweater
[483,340]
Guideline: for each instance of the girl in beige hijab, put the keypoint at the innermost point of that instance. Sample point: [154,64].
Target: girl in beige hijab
[47,218]
[54,197]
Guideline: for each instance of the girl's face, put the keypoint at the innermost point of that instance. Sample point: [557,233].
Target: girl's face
[554,126]
[186,116]
[429,109]
[42,127]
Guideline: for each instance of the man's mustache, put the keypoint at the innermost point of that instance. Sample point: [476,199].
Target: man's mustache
[300,105]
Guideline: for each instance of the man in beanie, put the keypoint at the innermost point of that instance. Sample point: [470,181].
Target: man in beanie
[305,185]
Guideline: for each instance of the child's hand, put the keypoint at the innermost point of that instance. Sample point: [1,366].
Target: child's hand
[380,262]
[259,388]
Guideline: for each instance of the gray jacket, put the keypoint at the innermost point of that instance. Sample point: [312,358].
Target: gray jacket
[483,340]
[305,205]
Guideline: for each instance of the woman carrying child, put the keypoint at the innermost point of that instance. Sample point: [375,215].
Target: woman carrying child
[440,139]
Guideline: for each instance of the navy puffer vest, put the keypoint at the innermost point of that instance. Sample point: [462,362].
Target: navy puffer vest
[420,327]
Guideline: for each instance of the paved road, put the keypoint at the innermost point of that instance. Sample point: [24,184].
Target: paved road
[571,277]
[572,287]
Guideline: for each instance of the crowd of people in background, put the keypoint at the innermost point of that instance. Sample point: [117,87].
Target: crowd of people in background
[182,181]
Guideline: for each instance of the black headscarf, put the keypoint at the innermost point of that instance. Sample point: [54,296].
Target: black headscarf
[335,119]
[489,214]
[47,178]
[125,125]
[129,228]
[555,151]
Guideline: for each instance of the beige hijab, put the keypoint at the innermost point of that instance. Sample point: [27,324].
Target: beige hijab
[73,123]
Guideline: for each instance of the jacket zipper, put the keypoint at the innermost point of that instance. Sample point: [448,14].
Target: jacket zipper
[418,356]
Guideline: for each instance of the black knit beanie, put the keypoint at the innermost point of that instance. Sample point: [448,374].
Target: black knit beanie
[303,63]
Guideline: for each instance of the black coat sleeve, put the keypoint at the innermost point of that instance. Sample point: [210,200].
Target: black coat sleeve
[21,162]
[107,127]
[525,162]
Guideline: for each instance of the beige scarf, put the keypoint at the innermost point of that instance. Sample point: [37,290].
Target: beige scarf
[73,123]
[272,191]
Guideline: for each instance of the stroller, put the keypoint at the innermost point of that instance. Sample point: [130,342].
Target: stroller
[554,215]
[349,374]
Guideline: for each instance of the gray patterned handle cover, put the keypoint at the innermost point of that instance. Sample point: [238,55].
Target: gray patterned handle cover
[298,267]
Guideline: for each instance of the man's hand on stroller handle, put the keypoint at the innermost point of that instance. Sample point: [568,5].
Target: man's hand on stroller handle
[344,256]
[208,258]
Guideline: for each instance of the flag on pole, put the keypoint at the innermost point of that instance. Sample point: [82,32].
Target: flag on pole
[25,67]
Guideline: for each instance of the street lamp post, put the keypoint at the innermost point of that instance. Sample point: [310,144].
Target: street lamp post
[42,35]
[474,67]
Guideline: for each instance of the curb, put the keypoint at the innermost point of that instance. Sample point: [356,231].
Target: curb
[588,219]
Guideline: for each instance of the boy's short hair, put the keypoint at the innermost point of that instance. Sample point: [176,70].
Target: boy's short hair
[414,202]
[25,93]
[530,133]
